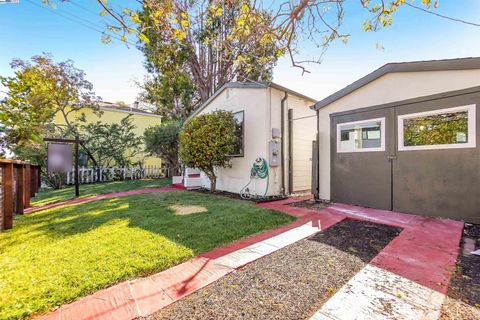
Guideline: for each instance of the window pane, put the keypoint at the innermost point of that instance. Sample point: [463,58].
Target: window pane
[363,135]
[238,148]
[438,129]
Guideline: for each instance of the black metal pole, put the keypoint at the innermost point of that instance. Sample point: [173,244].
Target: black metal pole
[77,191]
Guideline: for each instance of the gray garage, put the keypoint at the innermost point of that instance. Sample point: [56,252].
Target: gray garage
[416,155]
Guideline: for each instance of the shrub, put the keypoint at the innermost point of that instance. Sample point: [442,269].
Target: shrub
[207,142]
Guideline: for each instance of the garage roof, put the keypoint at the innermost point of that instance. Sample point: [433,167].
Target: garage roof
[250,85]
[414,66]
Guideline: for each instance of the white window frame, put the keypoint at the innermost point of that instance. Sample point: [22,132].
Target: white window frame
[382,136]
[472,129]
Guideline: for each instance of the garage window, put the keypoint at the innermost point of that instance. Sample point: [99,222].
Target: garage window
[361,136]
[439,129]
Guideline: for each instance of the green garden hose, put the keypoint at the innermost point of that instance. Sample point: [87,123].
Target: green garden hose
[259,171]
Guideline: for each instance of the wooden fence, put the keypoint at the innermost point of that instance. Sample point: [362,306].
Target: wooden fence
[92,175]
[19,181]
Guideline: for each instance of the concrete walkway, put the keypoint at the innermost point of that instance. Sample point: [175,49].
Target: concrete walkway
[407,280]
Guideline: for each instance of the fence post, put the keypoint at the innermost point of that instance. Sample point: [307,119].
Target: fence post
[32,182]
[20,192]
[26,190]
[8,196]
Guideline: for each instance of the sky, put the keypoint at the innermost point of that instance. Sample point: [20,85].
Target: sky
[30,28]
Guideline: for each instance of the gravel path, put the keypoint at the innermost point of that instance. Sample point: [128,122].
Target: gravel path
[291,283]
[463,301]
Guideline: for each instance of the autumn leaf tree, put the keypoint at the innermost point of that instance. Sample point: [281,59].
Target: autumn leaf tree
[207,143]
[192,48]
[280,26]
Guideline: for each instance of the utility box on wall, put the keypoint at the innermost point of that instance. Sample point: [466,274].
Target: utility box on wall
[274,153]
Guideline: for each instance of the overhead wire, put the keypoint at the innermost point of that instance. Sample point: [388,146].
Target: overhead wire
[76,19]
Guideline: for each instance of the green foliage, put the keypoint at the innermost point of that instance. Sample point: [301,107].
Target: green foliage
[207,142]
[111,143]
[59,255]
[172,92]
[435,129]
[38,91]
[162,141]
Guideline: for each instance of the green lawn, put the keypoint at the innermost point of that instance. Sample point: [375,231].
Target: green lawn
[47,196]
[55,256]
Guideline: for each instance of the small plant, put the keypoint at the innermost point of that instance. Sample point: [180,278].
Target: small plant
[207,143]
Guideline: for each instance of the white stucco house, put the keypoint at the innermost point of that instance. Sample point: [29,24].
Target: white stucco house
[274,123]
[405,138]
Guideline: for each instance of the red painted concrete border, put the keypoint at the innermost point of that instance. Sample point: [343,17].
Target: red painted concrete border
[424,252]
[101,197]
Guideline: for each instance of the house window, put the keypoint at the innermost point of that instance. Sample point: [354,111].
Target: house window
[361,136]
[239,133]
[438,129]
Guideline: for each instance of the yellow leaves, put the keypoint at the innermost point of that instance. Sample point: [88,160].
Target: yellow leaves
[106,39]
[218,11]
[184,23]
[241,22]
[240,59]
[245,8]
[143,38]
[135,18]
[180,34]
[103,13]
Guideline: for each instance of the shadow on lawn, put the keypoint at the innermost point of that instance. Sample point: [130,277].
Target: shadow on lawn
[218,221]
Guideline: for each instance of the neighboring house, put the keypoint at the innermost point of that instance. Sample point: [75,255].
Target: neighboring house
[114,113]
[259,109]
[405,138]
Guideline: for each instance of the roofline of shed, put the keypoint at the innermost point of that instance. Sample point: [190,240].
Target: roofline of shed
[414,66]
[249,85]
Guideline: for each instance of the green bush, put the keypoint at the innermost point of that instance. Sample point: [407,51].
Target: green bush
[207,142]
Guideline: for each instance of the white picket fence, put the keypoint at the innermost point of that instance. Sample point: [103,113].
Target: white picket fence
[91,175]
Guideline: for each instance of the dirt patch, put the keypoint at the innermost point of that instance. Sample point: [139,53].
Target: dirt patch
[291,283]
[183,210]
[463,301]
[362,239]
[237,196]
[311,204]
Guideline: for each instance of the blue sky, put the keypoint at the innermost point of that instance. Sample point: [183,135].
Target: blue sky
[27,29]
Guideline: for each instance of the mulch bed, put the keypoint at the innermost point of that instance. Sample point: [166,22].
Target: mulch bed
[463,301]
[291,283]
[237,196]
[310,204]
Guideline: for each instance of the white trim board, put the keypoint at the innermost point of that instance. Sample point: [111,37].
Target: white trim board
[382,136]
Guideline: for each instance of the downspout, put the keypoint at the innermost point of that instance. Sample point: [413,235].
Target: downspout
[317,155]
[282,119]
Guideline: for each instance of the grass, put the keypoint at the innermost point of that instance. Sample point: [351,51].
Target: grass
[55,256]
[48,196]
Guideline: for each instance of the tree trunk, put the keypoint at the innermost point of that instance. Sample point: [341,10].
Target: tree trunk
[213,183]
